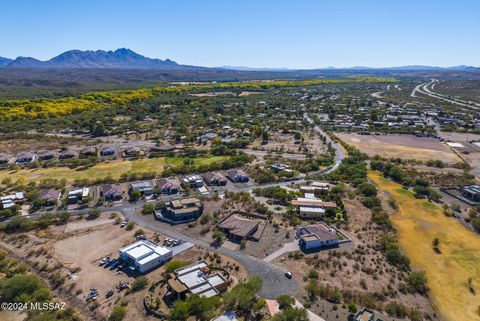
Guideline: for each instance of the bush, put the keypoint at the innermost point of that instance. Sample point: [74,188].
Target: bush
[417,282]
[284,301]
[130,226]
[396,309]
[313,274]
[139,283]
[173,265]
[243,244]
[148,209]
[118,313]
[93,214]
[352,308]
[139,232]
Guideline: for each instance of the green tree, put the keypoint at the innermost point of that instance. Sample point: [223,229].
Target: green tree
[139,283]
[148,209]
[202,308]
[292,314]
[218,236]
[417,282]
[180,311]
[285,301]
[20,288]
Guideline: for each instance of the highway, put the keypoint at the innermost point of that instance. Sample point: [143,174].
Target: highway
[423,88]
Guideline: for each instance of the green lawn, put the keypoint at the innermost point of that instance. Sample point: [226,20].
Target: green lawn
[104,169]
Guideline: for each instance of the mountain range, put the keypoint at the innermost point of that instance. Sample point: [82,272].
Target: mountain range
[127,59]
[118,59]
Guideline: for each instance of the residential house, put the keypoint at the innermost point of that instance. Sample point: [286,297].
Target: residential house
[107,151]
[132,151]
[50,196]
[4,159]
[162,148]
[77,195]
[214,179]
[112,192]
[316,236]
[145,187]
[11,200]
[315,187]
[238,227]
[237,176]
[46,155]
[168,186]
[197,278]
[88,152]
[193,180]
[177,211]
[311,207]
[472,192]
[26,158]
[68,154]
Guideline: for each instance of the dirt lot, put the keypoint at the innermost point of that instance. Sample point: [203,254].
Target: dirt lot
[469,152]
[359,267]
[73,251]
[402,146]
[280,142]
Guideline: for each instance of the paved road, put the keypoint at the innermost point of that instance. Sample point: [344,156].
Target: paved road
[339,154]
[274,280]
[423,88]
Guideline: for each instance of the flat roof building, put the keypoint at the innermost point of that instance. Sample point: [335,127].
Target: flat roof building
[144,187]
[312,207]
[11,200]
[472,192]
[78,194]
[197,278]
[144,255]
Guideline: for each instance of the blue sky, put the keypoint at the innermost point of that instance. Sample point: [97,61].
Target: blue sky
[294,34]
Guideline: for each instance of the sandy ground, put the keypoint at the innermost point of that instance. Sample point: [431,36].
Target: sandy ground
[74,251]
[402,146]
[285,143]
[469,152]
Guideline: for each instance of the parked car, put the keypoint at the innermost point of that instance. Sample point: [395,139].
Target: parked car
[289,275]
[104,260]
[109,293]
[109,263]
[177,242]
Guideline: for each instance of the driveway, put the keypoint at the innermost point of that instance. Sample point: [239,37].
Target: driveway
[286,248]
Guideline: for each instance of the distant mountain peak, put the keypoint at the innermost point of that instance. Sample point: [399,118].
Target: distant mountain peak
[121,58]
[4,61]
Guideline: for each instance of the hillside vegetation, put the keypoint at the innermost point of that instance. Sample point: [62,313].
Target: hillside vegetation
[42,108]
[452,265]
